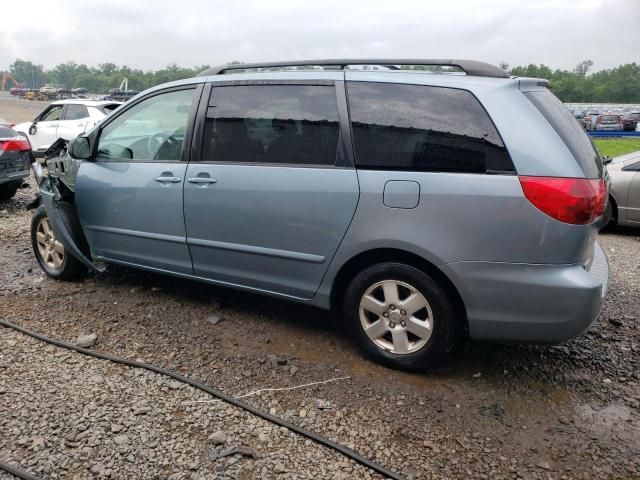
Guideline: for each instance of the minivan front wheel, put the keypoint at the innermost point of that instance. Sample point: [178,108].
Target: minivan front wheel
[399,316]
[48,249]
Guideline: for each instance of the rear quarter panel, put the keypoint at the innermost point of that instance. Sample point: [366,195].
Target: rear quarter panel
[459,217]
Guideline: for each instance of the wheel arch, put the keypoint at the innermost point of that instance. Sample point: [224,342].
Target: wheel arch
[371,257]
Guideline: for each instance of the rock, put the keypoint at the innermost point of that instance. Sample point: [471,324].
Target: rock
[615,321]
[283,361]
[98,469]
[262,437]
[239,450]
[116,428]
[279,468]
[175,385]
[214,319]
[477,375]
[302,413]
[86,341]
[121,440]
[323,404]
[142,410]
[543,465]
[218,438]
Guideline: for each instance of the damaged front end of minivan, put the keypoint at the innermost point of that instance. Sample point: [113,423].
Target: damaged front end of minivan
[55,173]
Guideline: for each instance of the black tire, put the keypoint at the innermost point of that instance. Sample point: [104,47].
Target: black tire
[607,215]
[71,268]
[8,190]
[443,333]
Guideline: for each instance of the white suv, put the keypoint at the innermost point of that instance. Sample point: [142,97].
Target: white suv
[64,119]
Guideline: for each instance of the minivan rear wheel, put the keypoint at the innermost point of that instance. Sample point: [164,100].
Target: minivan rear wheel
[398,315]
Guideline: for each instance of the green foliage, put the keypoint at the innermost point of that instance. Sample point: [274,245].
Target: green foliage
[28,74]
[615,85]
[612,147]
[98,79]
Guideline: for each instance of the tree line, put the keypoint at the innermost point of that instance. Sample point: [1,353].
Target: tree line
[615,85]
[98,79]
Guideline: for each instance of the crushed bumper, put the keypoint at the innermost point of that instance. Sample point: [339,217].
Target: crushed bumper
[48,195]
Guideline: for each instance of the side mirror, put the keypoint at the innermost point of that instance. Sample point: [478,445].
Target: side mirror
[33,129]
[79,148]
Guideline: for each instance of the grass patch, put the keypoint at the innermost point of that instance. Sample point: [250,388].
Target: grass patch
[614,147]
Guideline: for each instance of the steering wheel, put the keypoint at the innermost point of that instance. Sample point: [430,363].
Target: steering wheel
[164,144]
[155,141]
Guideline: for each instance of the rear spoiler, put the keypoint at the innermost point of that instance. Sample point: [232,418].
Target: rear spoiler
[531,84]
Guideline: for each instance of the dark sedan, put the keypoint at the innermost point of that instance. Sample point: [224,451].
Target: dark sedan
[15,160]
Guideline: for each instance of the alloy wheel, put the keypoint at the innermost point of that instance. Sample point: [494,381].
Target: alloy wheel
[51,250]
[396,317]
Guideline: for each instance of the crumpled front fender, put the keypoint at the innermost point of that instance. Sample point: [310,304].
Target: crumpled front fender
[50,197]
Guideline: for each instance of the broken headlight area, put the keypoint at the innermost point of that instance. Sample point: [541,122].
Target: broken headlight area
[57,163]
[56,175]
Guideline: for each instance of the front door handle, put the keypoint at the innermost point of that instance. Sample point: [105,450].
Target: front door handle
[201,180]
[163,179]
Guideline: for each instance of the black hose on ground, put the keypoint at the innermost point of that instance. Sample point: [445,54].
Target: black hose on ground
[210,390]
[17,472]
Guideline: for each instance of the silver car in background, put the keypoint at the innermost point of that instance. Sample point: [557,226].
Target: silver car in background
[623,206]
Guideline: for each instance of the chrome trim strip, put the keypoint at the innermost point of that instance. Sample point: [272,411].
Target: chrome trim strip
[269,252]
[139,234]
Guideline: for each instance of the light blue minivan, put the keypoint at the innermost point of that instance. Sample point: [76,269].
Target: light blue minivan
[422,199]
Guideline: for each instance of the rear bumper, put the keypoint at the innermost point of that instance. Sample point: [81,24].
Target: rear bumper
[530,303]
[14,177]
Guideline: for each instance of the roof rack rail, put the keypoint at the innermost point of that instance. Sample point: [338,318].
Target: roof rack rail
[470,67]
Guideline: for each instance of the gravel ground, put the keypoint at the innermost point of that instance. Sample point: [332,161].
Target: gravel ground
[491,411]
[94,418]
[16,110]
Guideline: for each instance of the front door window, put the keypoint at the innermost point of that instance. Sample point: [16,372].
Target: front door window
[154,129]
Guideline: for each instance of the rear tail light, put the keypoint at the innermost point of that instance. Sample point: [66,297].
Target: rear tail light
[578,201]
[16,144]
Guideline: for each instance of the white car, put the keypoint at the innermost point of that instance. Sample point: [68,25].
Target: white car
[64,119]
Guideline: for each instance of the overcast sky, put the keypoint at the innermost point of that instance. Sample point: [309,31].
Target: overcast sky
[150,35]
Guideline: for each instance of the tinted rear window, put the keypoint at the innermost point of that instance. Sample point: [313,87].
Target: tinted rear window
[109,108]
[275,124]
[570,131]
[76,112]
[417,127]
